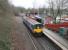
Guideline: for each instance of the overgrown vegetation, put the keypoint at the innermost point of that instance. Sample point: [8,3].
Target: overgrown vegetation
[5,25]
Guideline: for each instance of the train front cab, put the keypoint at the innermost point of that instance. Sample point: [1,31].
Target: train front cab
[37,30]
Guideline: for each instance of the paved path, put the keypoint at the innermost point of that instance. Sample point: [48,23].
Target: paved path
[20,41]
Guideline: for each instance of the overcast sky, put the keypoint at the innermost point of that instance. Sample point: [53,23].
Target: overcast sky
[29,3]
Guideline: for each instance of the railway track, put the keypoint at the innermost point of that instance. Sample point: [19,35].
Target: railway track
[34,42]
[42,43]
[47,43]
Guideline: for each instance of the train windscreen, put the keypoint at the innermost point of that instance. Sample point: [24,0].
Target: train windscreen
[38,25]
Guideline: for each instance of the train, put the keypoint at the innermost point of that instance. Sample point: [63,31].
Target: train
[34,26]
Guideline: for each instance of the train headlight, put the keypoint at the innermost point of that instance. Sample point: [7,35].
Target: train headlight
[38,28]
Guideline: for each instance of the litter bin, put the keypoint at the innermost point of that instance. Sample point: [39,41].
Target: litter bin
[62,31]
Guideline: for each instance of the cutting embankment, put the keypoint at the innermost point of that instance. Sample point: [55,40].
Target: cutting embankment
[5,25]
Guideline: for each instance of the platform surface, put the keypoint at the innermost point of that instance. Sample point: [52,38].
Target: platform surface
[60,41]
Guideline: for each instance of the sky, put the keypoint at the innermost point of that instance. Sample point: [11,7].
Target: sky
[29,3]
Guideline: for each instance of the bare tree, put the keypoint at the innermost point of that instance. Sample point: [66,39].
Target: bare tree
[56,8]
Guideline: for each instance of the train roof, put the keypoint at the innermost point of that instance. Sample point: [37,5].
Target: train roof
[32,21]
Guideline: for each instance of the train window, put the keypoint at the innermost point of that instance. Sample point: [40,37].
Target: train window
[32,26]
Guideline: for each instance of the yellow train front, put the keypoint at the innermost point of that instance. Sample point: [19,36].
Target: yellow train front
[34,26]
[37,30]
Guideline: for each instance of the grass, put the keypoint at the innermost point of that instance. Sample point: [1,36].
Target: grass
[5,29]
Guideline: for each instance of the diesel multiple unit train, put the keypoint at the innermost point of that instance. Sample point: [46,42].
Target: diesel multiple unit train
[34,26]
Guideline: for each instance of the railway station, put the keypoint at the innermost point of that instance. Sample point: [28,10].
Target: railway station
[33,24]
[45,28]
[49,30]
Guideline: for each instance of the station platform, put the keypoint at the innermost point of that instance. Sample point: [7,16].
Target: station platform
[57,39]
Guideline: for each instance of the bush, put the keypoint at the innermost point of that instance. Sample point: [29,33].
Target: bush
[5,25]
